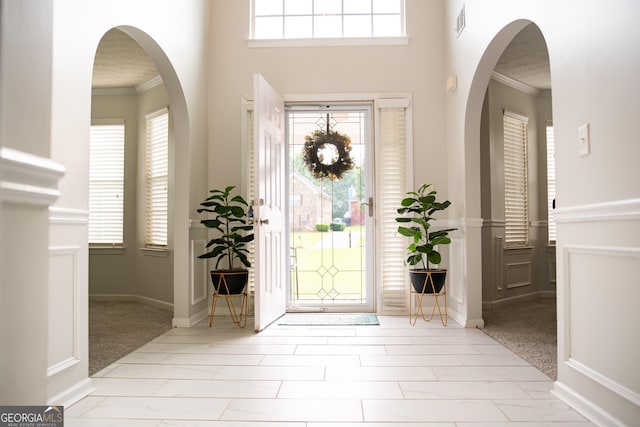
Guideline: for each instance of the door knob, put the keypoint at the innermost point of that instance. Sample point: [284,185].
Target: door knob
[264,221]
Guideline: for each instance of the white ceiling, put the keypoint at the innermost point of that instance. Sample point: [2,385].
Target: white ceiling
[526,59]
[121,62]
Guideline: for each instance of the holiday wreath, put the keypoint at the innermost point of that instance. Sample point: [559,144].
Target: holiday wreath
[327,155]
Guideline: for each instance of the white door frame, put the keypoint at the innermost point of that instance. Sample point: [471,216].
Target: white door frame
[378,98]
[331,106]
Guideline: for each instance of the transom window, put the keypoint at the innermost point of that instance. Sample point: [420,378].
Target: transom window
[315,19]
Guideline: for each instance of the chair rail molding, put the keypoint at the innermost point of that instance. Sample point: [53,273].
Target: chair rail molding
[68,216]
[619,210]
[28,179]
[461,222]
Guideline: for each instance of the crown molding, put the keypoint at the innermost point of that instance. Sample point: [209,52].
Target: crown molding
[515,84]
[119,91]
[149,84]
[113,91]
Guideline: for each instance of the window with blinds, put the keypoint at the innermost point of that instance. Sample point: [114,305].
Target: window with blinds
[393,166]
[551,185]
[250,191]
[106,183]
[516,203]
[157,179]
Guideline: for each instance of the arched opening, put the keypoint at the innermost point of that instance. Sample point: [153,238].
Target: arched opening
[132,283]
[509,116]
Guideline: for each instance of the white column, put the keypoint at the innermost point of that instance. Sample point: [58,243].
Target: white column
[27,187]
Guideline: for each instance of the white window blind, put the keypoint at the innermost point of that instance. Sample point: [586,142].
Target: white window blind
[251,186]
[551,184]
[516,204]
[392,184]
[106,183]
[300,19]
[157,179]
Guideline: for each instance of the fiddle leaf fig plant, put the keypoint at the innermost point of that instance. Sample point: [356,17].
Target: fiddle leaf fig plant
[417,210]
[231,220]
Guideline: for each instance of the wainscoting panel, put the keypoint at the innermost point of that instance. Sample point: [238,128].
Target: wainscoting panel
[197,297]
[498,257]
[602,307]
[64,341]
[552,271]
[598,275]
[68,336]
[518,274]
[455,278]
[198,272]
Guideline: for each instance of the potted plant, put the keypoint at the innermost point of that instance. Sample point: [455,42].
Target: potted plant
[418,209]
[231,220]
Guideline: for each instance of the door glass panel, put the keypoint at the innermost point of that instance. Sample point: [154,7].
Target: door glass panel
[327,218]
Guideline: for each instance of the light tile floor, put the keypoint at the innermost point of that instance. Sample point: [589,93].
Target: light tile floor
[305,376]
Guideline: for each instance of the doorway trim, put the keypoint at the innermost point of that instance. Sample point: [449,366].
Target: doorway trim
[370,289]
[179,220]
[396,304]
[471,310]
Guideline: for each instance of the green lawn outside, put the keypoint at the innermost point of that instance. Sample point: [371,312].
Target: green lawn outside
[327,266]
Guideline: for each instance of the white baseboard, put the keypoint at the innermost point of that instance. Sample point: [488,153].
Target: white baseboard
[547,294]
[587,408]
[490,305]
[73,394]
[455,316]
[188,322]
[131,297]
[474,323]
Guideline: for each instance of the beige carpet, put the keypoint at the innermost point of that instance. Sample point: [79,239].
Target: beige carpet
[116,328]
[529,329]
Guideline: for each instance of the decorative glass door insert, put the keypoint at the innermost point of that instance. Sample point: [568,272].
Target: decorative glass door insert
[329,218]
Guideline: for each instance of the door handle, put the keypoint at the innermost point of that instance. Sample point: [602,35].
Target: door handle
[370,204]
[264,221]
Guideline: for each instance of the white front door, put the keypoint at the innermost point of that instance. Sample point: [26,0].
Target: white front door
[270,258]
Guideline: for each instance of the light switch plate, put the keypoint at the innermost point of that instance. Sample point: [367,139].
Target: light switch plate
[584,140]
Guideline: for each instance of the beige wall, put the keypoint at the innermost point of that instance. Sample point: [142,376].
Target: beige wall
[114,272]
[416,68]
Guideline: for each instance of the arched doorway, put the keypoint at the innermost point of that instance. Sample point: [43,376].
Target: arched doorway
[133,81]
[512,87]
